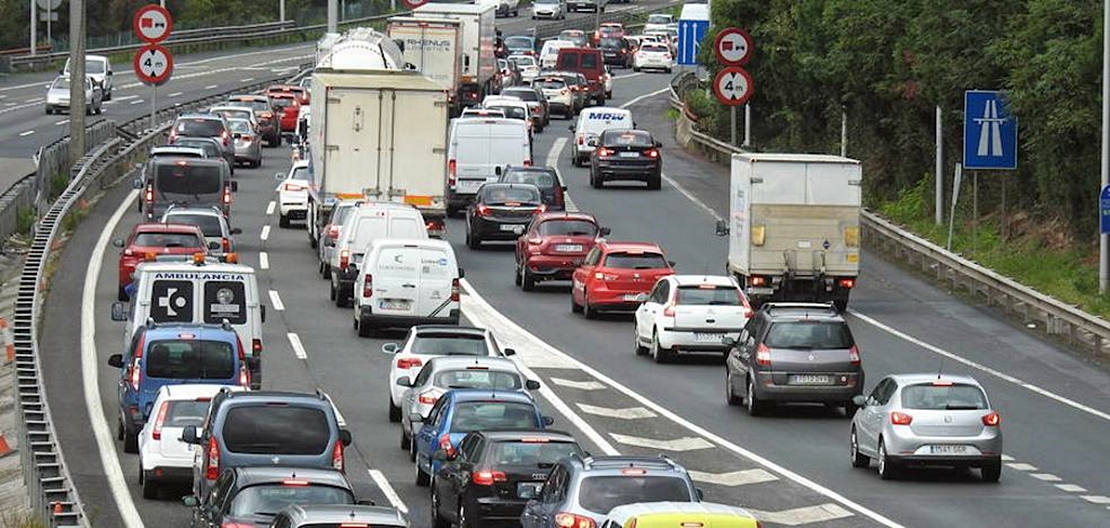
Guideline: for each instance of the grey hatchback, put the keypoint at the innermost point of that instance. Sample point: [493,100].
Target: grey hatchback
[794,352]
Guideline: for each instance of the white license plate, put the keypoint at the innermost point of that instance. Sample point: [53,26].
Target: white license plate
[470,185]
[707,338]
[509,227]
[394,304]
[948,449]
[568,248]
[634,297]
[810,379]
[629,154]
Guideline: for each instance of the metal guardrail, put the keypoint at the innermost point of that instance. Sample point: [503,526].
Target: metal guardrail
[1076,327]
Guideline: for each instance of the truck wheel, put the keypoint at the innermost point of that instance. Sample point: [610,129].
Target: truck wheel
[283,221]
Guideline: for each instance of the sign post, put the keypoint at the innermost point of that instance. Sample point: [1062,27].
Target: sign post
[990,141]
[153,64]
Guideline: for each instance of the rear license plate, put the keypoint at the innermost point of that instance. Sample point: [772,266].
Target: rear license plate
[470,185]
[707,338]
[634,297]
[629,154]
[528,489]
[394,304]
[508,227]
[810,379]
[568,248]
[948,449]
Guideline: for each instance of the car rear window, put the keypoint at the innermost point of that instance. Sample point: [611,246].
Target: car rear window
[504,195]
[518,43]
[190,359]
[167,240]
[480,416]
[208,224]
[183,413]
[210,149]
[252,103]
[539,178]
[199,127]
[708,294]
[531,452]
[523,95]
[958,396]
[511,112]
[269,499]
[628,138]
[603,493]
[478,379]
[240,126]
[568,228]
[655,48]
[449,345]
[188,178]
[549,84]
[622,260]
[276,428]
[282,102]
[809,335]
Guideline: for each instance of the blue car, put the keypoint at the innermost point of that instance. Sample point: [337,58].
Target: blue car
[461,411]
[161,355]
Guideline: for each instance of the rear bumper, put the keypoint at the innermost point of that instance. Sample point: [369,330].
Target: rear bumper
[767,390]
[167,474]
[606,299]
[491,230]
[366,316]
[456,200]
[549,267]
[685,339]
[489,510]
[629,171]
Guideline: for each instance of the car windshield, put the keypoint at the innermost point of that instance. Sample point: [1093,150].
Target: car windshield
[299,173]
[808,335]
[190,359]
[531,452]
[61,83]
[252,104]
[708,294]
[478,378]
[484,415]
[511,112]
[568,228]
[540,178]
[549,84]
[523,61]
[622,260]
[282,102]
[504,195]
[941,397]
[166,240]
[519,42]
[610,43]
[276,428]
[449,345]
[627,138]
[186,178]
[603,493]
[94,66]
[269,499]
[209,224]
[183,413]
[239,125]
[199,127]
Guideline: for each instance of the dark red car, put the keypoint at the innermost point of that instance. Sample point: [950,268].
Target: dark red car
[299,91]
[148,240]
[289,106]
[617,276]
[554,245]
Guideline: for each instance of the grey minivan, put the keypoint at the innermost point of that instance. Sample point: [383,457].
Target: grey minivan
[188,182]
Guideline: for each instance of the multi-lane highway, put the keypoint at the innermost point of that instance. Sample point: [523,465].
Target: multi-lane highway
[792,468]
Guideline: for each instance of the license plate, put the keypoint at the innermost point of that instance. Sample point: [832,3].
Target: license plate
[948,449]
[707,338]
[470,185]
[568,248]
[629,154]
[634,297]
[530,489]
[509,227]
[394,304]
[810,379]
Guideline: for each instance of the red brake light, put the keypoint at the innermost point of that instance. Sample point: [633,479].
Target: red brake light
[853,355]
[333,232]
[148,196]
[570,520]
[652,153]
[293,482]
[992,419]
[482,210]
[368,286]
[487,477]
[757,281]
[942,383]
[344,259]
[847,283]
[541,208]
[763,355]
[452,166]
[213,469]
[428,398]
[157,434]
[224,135]
[454,290]
[445,444]
[900,418]
[527,163]
[227,195]
[256,347]
[244,377]
[407,363]
[337,456]
[604,152]
[225,243]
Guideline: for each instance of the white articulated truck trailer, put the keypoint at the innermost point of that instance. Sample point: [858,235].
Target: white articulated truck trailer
[433,46]
[793,226]
[377,132]
[477,61]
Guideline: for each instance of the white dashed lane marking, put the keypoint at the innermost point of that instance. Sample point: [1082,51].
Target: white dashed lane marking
[1047,477]
[270,207]
[1021,466]
[175,94]
[27,133]
[264,260]
[1096,499]
[265,232]
[275,300]
[136,101]
[1072,488]
[387,490]
[211,86]
[298,347]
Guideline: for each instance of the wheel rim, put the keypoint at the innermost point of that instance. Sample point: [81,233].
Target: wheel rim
[853,445]
[882,459]
[462,516]
[751,395]
[655,345]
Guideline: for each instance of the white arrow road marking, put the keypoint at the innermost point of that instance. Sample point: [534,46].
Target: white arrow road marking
[688,443]
[734,478]
[580,385]
[298,347]
[631,413]
[806,515]
[275,300]
[1072,488]
[388,491]
[264,260]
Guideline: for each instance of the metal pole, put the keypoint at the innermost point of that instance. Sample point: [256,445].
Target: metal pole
[49,18]
[1104,240]
[342,10]
[333,16]
[843,133]
[281,10]
[732,129]
[748,124]
[939,211]
[957,181]
[34,26]
[975,212]
[76,80]
[153,106]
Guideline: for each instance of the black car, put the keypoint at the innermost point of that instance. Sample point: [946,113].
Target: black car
[493,474]
[501,211]
[617,51]
[252,496]
[626,155]
[205,125]
[545,178]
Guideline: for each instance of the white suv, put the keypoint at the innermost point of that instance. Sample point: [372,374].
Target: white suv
[690,314]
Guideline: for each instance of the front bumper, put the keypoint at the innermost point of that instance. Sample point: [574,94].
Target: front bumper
[548,13]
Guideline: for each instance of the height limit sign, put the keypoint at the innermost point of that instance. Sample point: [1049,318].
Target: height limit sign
[153,63]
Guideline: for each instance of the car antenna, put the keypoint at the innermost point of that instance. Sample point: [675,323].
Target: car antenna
[940,368]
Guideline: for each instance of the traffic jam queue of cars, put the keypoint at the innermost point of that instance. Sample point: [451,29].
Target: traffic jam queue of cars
[190,389]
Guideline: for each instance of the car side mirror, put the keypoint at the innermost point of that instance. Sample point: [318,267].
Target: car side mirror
[699,493]
[115,360]
[390,348]
[118,242]
[672,263]
[548,421]
[404,381]
[416,418]
[345,437]
[279,176]
[137,183]
[117,312]
[190,500]
[604,231]
[440,455]
[571,128]
[658,144]
[508,352]
[462,273]
[234,186]
[722,228]
[236,231]
[532,385]
[860,400]
[262,312]
[189,435]
[110,73]
[497,170]
[213,245]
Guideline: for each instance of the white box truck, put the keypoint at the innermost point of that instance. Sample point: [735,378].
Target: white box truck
[477,59]
[793,226]
[433,46]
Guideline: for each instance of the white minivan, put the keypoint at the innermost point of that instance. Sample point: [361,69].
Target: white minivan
[406,282]
[367,222]
[591,123]
[478,151]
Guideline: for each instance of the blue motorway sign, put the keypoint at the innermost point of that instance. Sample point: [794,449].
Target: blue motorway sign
[690,35]
[1104,210]
[990,132]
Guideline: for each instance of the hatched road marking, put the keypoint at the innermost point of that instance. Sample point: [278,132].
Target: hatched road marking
[580,385]
[799,516]
[387,490]
[631,413]
[689,443]
[734,478]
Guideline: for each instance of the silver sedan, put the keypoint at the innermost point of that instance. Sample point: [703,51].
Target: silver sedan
[927,420]
[248,144]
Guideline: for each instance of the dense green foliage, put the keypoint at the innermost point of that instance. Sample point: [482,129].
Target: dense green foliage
[889,63]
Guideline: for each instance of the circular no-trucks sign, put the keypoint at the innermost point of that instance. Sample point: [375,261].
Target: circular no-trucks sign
[153,64]
[413,4]
[733,86]
[733,46]
[152,23]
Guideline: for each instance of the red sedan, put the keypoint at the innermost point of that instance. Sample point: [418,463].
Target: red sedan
[151,239]
[617,276]
[554,246]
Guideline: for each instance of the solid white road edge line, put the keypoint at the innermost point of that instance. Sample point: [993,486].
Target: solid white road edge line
[275,301]
[390,493]
[105,441]
[298,347]
[581,424]
[270,208]
[642,97]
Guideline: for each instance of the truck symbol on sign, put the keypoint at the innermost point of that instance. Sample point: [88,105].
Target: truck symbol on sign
[148,22]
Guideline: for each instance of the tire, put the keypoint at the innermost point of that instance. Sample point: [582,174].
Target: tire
[587,310]
[516,275]
[658,353]
[121,295]
[574,306]
[473,242]
[528,281]
[131,443]
[668,70]
[755,406]
[406,442]
[327,272]
[437,520]
[859,460]
[365,330]
[886,465]
[730,395]
[422,478]
[334,292]
[991,471]
[150,490]
[283,221]
[655,184]
[636,344]
[850,409]
[119,429]
[636,69]
[49,111]
[412,448]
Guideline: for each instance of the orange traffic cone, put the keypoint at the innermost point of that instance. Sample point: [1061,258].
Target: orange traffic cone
[4,447]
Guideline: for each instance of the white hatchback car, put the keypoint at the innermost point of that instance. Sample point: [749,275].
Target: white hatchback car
[529,67]
[425,342]
[163,458]
[293,193]
[690,314]
[653,55]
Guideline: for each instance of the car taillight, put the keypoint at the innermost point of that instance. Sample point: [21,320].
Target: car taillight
[454,290]
[157,434]
[213,469]
[234,524]
[668,310]
[757,281]
[452,166]
[244,377]
[527,163]
[225,243]
[605,276]
[256,347]
[487,477]
[559,198]
[604,152]
[847,283]
[572,520]
[537,110]
[292,187]
[344,259]
[246,138]
[992,419]
[651,153]
[337,456]
[445,444]
[148,196]
[541,208]
[763,355]
[135,375]
[226,137]
[407,363]
[227,195]
[581,139]
[368,286]
[428,398]
[563,91]
[900,418]
[128,253]
[853,355]
[481,210]
[623,51]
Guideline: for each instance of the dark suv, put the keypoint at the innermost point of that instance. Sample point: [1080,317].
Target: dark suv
[794,352]
[581,491]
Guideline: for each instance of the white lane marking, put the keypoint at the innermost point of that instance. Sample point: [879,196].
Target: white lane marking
[800,516]
[1047,477]
[122,98]
[3,97]
[9,104]
[1007,458]
[270,208]
[686,443]
[1072,488]
[629,76]
[580,385]
[979,366]
[631,413]
[265,232]
[298,347]
[263,260]
[136,101]
[90,363]
[501,324]
[248,79]
[33,100]
[642,97]
[388,491]
[1021,466]
[1096,499]
[555,152]
[27,133]
[211,86]
[734,478]
[175,94]
[62,122]
[275,300]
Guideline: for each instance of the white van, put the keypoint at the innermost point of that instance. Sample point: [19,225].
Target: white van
[591,123]
[478,150]
[202,290]
[549,54]
[369,221]
[406,282]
